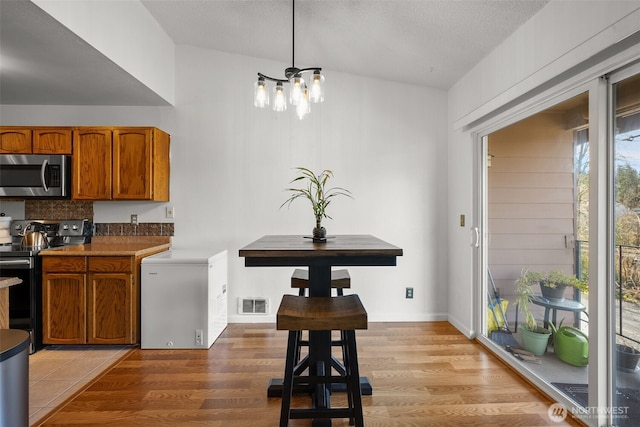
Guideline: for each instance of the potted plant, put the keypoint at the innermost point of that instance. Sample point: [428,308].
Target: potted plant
[553,283]
[627,355]
[320,197]
[534,338]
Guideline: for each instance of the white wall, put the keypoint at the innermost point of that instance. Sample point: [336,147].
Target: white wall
[562,35]
[384,141]
[230,163]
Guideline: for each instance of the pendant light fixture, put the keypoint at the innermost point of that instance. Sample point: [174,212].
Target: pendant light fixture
[301,95]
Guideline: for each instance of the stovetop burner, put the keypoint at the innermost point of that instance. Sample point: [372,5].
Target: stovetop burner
[59,233]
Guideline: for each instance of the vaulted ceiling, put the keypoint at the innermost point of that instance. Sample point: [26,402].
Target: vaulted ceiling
[423,42]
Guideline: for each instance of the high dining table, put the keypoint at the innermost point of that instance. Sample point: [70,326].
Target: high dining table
[319,257]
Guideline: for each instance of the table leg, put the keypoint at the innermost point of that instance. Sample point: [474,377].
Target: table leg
[320,341]
[546,317]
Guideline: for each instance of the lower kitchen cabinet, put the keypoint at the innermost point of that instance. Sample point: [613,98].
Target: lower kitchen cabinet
[96,304]
[109,308]
[64,308]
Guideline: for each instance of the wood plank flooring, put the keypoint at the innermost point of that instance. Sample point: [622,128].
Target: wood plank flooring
[423,374]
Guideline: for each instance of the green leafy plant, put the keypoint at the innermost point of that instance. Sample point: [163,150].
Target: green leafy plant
[553,279]
[524,296]
[554,328]
[315,190]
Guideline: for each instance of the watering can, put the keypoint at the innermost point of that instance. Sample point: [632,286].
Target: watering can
[571,345]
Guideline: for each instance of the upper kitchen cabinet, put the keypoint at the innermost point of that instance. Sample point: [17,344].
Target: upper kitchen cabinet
[38,140]
[140,164]
[120,164]
[91,164]
[52,141]
[15,140]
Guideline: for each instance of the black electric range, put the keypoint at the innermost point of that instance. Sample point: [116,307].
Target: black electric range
[16,260]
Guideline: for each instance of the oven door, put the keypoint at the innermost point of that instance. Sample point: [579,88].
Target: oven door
[25,299]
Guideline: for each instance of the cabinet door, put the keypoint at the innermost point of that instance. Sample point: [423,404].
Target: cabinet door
[15,140]
[132,165]
[64,308]
[91,164]
[110,308]
[52,141]
[161,165]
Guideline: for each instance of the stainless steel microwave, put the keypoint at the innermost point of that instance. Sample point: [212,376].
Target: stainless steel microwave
[35,175]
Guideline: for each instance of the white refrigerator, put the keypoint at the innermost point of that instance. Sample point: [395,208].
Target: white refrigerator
[183,299]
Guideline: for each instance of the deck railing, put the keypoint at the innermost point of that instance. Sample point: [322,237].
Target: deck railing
[627,283]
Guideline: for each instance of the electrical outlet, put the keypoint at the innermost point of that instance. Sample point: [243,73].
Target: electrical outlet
[409,293]
[134,219]
[198,336]
[170,212]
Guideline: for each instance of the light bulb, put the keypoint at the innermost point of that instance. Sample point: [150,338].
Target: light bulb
[260,93]
[303,108]
[297,84]
[279,98]
[317,87]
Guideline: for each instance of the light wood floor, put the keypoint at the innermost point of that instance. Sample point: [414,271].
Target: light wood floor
[423,374]
[58,372]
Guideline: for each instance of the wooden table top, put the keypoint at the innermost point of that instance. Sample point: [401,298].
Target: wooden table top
[340,246]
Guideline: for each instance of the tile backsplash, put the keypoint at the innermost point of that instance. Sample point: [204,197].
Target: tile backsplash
[70,209]
[57,209]
[142,229]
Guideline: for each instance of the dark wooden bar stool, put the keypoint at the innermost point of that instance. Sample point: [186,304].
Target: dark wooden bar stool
[342,313]
[340,279]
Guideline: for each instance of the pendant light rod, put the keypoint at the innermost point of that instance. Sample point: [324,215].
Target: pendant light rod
[293,34]
[300,94]
[293,70]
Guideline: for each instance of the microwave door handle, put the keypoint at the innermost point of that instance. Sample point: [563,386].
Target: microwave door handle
[43,170]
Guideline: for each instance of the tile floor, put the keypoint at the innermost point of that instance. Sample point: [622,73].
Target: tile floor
[57,372]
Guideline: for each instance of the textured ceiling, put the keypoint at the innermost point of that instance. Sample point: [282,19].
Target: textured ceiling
[425,42]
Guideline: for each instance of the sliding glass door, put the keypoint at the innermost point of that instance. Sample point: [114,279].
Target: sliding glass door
[537,190]
[561,196]
[625,284]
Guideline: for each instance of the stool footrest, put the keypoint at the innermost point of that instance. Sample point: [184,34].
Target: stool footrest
[319,380]
[321,413]
[305,343]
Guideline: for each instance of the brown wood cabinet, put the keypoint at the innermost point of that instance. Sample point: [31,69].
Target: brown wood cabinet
[64,300]
[15,140]
[35,140]
[52,141]
[90,300]
[91,164]
[120,164]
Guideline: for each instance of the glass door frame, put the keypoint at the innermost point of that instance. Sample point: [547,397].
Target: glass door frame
[612,79]
[599,235]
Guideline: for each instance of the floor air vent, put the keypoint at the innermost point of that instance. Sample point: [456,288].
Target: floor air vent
[253,305]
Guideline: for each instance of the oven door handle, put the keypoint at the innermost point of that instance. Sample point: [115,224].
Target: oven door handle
[14,262]
[43,170]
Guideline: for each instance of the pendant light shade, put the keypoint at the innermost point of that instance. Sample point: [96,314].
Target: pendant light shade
[295,92]
[316,93]
[260,94]
[300,95]
[303,107]
[279,98]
